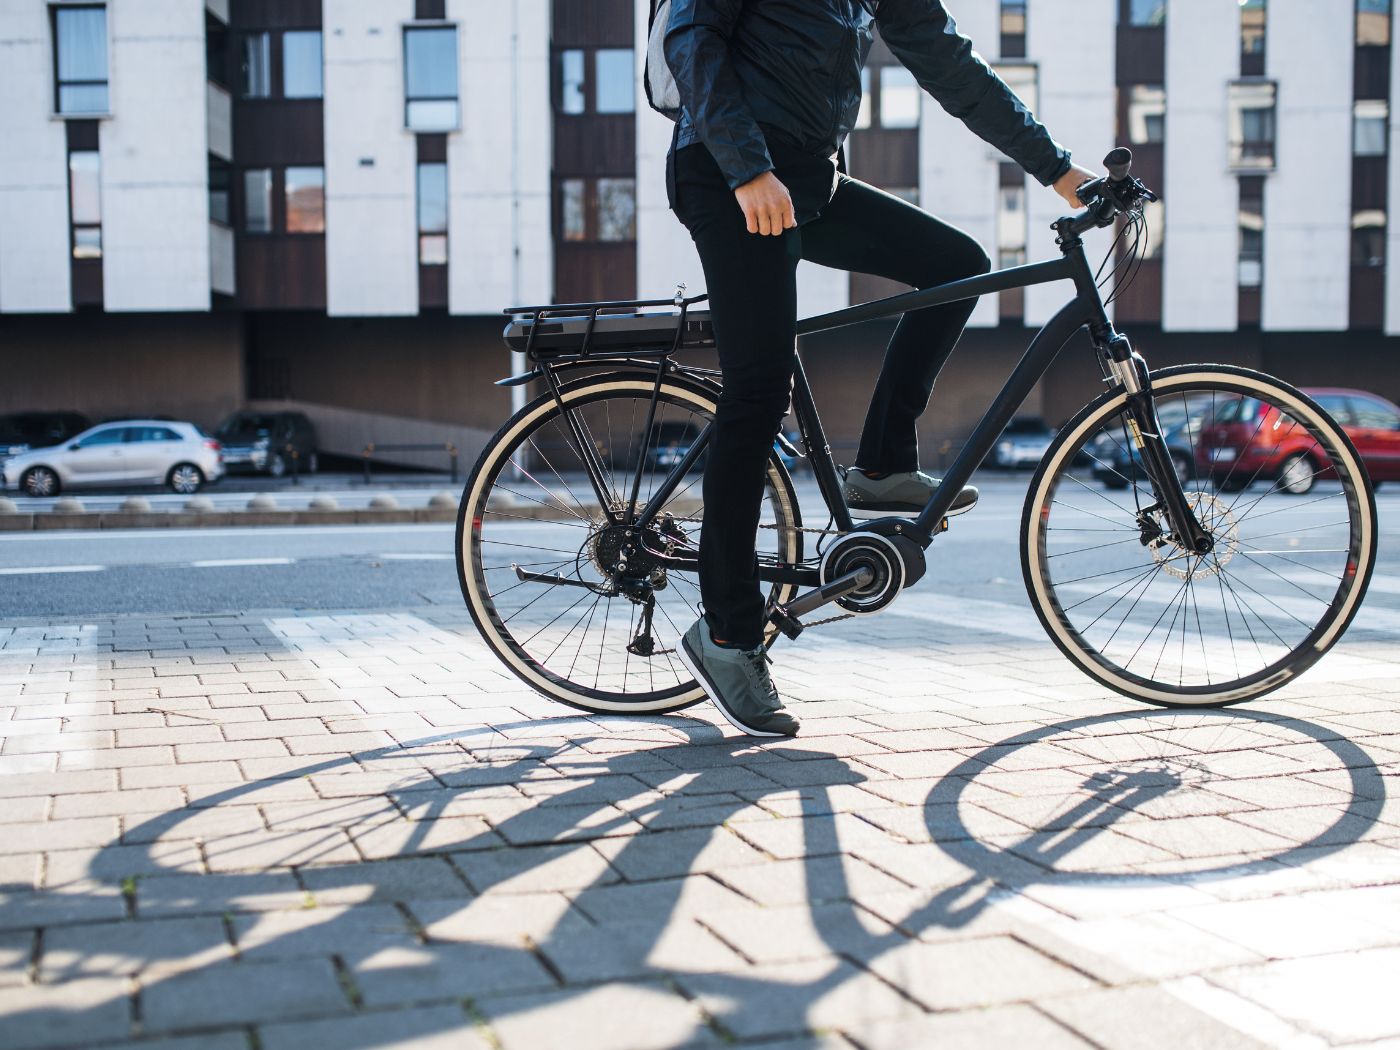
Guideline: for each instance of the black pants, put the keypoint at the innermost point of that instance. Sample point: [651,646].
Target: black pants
[752,284]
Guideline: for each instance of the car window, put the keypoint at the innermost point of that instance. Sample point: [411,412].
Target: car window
[1335,405]
[1372,413]
[153,434]
[110,436]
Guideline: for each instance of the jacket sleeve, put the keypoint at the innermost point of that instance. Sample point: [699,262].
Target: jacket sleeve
[924,37]
[697,51]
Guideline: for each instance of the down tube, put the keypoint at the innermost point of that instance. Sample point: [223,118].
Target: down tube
[1044,348]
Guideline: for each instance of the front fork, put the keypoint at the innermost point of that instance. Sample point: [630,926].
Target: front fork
[1130,370]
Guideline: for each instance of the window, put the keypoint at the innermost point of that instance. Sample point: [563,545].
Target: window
[1011,219]
[617,209]
[572,97]
[85,203]
[1253,21]
[110,436]
[615,81]
[1378,415]
[430,78]
[573,222]
[432,214]
[899,98]
[1368,238]
[1013,28]
[151,434]
[301,64]
[598,209]
[1147,114]
[305,195]
[1252,125]
[220,181]
[1251,269]
[257,65]
[1147,12]
[257,200]
[1372,23]
[1370,128]
[80,59]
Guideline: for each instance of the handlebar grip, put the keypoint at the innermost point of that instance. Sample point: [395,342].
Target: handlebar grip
[1119,163]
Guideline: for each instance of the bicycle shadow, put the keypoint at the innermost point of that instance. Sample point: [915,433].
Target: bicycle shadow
[630,833]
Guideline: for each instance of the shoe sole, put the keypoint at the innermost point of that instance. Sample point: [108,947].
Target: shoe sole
[693,666]
[867,511]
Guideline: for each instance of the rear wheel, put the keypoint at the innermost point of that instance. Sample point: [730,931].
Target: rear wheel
[600,631]
[185,479]
[40,483]
[1166,625]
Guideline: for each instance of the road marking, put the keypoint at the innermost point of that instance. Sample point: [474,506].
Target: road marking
[34,570]
[408,556]
[88,535]
[227,563]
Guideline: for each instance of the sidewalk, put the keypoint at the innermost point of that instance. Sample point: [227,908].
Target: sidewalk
[358,831]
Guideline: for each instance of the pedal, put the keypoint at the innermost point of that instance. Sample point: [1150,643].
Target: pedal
[784,621]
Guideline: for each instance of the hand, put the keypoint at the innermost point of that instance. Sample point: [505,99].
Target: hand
[1067,185]
[767,205]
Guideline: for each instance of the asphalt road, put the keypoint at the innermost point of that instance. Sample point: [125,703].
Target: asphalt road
[369,567]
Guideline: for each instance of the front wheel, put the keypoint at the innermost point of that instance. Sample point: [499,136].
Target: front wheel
[573,598]
[185,479]
[40,483]
[1160,623]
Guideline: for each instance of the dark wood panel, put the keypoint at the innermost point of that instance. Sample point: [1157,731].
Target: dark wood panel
[87,282]
[886,157]
[1368,183]
[595,144]
[432,149]
[275,14]
[82,134]
[593,272]
[1368,297]
[1372,77]
[1141,301]
[282,272]
[1011,306]
[1251,307]
[430,9]
[432,287]
[593,23]
[866,287]
[1142,52]
[278,131]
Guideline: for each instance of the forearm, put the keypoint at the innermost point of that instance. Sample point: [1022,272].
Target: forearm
[697,52]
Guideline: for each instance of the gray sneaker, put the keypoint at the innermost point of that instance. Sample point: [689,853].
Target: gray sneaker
[738,681]
[869,497]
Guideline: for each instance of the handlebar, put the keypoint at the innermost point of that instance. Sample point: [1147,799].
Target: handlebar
[1105,198]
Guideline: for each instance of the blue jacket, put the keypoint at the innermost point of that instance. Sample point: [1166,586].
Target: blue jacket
[748,70]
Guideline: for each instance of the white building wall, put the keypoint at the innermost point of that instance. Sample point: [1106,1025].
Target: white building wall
[959,174]
[500,242]
[1073,43]
[665,254]
[1200,263]
[371,195]
[1392,229]
[34,229]
[155,159]
[1307,203]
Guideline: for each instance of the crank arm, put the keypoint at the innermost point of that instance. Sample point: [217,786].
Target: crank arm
[785,617]
[557,581]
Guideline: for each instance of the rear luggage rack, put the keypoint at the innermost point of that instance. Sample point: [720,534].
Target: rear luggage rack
[631,328]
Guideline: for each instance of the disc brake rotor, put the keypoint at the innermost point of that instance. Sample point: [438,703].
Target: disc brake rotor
[1215,517]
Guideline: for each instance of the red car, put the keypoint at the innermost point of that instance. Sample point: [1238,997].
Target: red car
[1247,440]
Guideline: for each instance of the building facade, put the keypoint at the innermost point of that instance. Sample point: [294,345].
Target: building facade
[205,203]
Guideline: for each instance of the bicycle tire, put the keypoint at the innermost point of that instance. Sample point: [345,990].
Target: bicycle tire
[1051,601]
[474,505]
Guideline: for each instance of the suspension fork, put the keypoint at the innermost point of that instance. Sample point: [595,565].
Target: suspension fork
[1131,372]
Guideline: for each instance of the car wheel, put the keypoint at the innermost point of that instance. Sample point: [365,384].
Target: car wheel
[185,479]
[277,464]
[1297,475]
[40,482]
[1114,483]
[1231,484]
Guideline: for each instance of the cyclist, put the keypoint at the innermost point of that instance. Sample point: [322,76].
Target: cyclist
[769,90]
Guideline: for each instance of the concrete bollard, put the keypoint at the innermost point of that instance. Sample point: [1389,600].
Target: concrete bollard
[135,505]
[68,505]
[384,502]
[324,503]
[200,505]
[444,501]
[262,502]
[8,506]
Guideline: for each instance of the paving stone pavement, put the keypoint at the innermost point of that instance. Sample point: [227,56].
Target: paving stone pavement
[276,829]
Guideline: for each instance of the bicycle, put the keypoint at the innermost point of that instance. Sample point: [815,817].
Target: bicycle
[1166,598]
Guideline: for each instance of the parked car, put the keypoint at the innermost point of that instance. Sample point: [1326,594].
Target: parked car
[1117,461]
[135,452]
[1249,440]
[22,431]
[1023,443]
[265,441]
[671,441]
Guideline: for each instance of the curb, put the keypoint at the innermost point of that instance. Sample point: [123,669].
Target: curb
[220,519]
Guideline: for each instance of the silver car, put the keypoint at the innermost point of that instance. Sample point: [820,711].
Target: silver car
[131,452]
